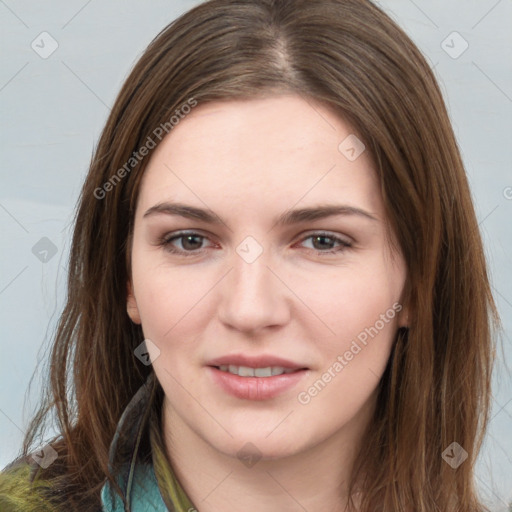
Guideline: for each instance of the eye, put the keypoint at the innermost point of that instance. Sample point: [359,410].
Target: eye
[191,243]
[319,239]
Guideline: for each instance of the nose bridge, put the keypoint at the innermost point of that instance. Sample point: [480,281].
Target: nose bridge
[253,296]
[251,277]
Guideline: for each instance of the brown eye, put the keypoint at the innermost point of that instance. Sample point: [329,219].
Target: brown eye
[325,242]
[190,243]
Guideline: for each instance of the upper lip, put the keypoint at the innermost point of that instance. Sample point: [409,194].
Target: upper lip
[262,361]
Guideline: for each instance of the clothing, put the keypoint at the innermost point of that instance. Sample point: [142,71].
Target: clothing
[153,486]
[148,484]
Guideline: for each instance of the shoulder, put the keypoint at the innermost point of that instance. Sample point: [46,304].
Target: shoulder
[22,487]
[19,488]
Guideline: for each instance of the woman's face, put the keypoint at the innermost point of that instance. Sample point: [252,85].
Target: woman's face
[262,280]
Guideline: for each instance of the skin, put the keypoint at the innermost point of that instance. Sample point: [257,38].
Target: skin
[250,161]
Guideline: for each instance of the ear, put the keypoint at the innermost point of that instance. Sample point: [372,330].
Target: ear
[131,305]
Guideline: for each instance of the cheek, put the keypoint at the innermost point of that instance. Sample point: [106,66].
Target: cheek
[167,306]
[358,299]
[167,297]
[354,359]
[362,311]
[171,319]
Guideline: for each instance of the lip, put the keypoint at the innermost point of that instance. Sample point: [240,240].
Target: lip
[255,388]
[261,361]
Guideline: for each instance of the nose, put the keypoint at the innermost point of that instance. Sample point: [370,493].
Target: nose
[253,295]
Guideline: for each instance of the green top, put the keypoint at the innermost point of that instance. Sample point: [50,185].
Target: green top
[170,489]
[147,486]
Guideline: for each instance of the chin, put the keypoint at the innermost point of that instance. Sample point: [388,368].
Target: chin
[253,446]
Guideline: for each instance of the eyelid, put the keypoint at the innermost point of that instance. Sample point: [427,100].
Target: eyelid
[168,238]
[176,235]
[303,235]
[331,234]
[343,244]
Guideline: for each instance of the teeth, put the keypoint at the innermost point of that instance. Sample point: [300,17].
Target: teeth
[245,371]
[263,372]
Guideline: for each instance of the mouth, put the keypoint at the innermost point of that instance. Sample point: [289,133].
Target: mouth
[255,378]
[247,371]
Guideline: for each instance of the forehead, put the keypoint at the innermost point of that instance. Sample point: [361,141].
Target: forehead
[262,127]
[246,153]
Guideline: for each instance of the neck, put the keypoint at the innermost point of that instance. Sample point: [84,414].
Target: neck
[313,479]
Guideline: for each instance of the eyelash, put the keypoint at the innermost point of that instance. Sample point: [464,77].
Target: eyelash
[166,242]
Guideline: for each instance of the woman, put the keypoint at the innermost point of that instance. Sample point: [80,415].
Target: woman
[258,368]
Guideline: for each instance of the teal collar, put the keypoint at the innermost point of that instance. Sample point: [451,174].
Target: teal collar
[144,494]
[136,477]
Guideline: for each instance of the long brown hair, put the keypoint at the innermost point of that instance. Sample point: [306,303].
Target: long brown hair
[351,56]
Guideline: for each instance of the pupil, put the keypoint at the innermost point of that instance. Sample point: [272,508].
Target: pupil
[187,239]
[323,238]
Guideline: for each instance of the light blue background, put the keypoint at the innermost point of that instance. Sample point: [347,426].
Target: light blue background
[53,111]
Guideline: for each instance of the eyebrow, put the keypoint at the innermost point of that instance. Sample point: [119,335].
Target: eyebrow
[286,219]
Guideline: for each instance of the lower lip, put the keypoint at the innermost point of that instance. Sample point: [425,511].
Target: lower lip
[255,388]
